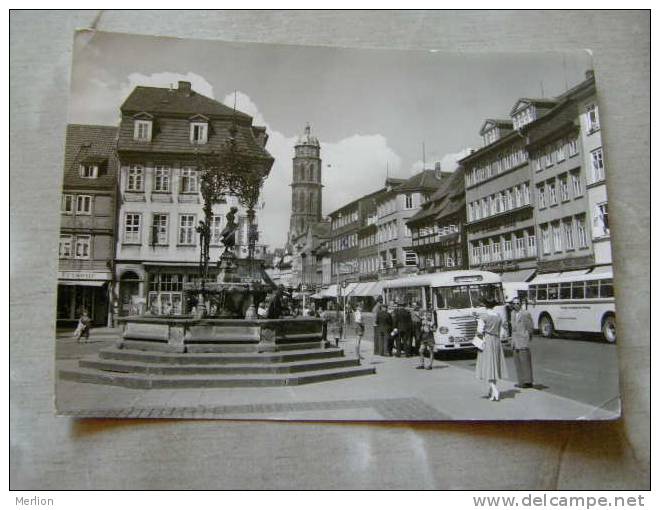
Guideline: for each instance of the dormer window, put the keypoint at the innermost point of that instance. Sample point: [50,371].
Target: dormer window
[142,130]
[89,171]
[491,136]
[199,130]
[524,117]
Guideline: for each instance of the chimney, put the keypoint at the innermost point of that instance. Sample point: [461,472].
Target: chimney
[438,166]
[589,74]
[185,87]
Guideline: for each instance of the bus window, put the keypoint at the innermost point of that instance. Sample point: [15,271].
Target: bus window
[592,290]
[532,293]
[565,290]
[606,289]
[452,297]
[479,293]
[553,290]
[578,290]
[427,298]
[542,292]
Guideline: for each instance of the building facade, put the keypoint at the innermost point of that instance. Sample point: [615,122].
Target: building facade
[86,247]
[400,202]
[161,135]
[438,229]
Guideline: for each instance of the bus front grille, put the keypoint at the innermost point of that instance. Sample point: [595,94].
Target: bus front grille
[464,326]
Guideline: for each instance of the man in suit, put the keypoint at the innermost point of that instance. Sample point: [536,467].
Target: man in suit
[522,328]
[382,329]
[402,323]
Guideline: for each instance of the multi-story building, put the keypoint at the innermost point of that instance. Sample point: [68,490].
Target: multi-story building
[86,249]
[438,233]
[162,134]
[394,208]
[344,227]
[368,256]
[500,225]
[306,266]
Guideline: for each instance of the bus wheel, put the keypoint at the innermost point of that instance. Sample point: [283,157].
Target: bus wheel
[546,327]
[609,329]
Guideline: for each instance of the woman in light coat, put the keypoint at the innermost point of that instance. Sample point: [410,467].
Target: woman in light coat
[491,365]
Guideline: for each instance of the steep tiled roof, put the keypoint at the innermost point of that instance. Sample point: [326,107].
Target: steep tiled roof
[90,144]
[156,100]
[424,180]
[445,200]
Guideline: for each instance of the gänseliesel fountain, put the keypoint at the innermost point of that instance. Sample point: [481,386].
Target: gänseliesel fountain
[220,341]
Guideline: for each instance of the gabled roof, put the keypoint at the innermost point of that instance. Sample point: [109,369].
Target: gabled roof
[176,101]
[445,200]
[501,123]
[90,144]
[523,102]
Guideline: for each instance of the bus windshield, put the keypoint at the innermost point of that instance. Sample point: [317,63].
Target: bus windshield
[467,296]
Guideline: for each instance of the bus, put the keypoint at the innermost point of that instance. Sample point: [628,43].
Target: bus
[576,303]
[454,297]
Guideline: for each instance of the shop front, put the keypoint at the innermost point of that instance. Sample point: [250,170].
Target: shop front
[78,290]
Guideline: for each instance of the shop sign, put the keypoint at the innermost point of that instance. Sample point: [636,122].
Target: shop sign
[84,275]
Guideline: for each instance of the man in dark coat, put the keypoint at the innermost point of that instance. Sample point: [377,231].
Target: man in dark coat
[402,323]
[275,305]
[382,330]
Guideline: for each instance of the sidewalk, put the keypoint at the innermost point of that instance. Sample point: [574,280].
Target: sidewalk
[396,392]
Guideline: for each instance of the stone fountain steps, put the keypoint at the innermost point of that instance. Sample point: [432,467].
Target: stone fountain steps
[209,348]
[221,358]
[137,367]
[150,381]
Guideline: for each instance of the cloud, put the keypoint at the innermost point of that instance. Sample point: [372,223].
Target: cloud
[448,162]
[352,167]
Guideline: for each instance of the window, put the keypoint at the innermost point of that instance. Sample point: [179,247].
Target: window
[577,185]
[568,234]
[549,157]
[198,132]
[65,247]
[508,249]
[132,228]
[497,251]
[552,194]
[520,247]
[606,289]
[409,200]
[89,171]
[188,180]
[560,151]
[598,170]
[556,235]
[541,196]
[476,254]
[67,204]
[159,233]
[162,179]
[142,131]
[577,291]
[135,178]
[545,236]
[509,200]
[519,198]
[187,229]
[592,118]
[411,258]
[525,192]
[581,232]
[563,188]
[216,229]
[572,147]
[83,204]
[565,290]
[83,246]
[602,219]
[591,290]
[531,245]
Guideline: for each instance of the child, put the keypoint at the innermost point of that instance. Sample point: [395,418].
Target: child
[427,343]
[83,326]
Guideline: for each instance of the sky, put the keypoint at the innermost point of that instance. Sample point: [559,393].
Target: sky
[372,110]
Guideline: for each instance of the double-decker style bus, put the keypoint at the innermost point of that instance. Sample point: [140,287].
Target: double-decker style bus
[579,303]
[454,297]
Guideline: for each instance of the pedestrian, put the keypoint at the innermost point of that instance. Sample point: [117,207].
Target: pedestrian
[335,325]
[275,307]
[522,328]
[491,365]
[84,324]
[262,311]
[382,329]
[402,323]
[417,315]
[427,341]
[359,329]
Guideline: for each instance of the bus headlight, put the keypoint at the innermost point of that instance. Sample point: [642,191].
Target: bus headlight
[443,330]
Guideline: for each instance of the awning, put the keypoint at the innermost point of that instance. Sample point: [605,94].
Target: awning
[367,289]
[601,270]
[83,283]
[318,295]
[522,275]
[171,264]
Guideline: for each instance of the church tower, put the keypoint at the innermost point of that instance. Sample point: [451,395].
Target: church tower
[306,184]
